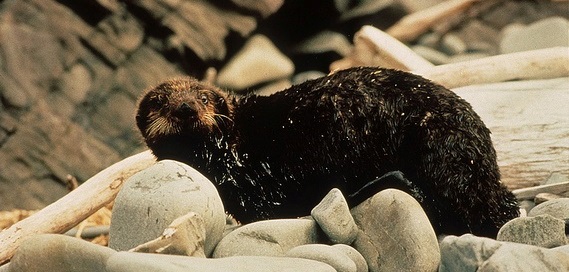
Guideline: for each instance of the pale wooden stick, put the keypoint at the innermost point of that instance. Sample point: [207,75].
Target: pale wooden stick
[184,236]
[535,64]
[373,47]
[413,25]
[74,207]
[561,188]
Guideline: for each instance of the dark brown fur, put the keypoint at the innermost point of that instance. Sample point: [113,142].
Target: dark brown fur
[277,156]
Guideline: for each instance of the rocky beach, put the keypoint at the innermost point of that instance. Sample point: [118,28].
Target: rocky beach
[71,75]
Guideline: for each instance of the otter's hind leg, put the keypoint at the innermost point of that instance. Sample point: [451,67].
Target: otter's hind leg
[456,163]
[393,180]
[398,180]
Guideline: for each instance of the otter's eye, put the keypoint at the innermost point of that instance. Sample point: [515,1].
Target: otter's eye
[204,99]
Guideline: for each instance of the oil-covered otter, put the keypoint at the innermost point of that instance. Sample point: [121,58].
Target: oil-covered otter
[276,156]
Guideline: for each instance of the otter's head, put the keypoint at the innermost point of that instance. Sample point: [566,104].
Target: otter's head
[183,107]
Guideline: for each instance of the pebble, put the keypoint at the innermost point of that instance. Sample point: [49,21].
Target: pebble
[333,215]
[123,31]
[429,39]
[393,213]
[452,44]
[77,83]
[306,75]
[326,254]
[55,252]
[558,208]
[269,238]
[354,255]
[526,205]
[365,7]
[545,33]
[14,96]
[151,199]
[414,6]
[325,41]
[273,87]
[480,37]
[471,253]
[542,230]
[128,261]
[564,249]
[544,197]
[430,54]
[257,62]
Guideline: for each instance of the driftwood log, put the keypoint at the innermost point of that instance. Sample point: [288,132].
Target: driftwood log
[530,124]
[74,207]
[373,47]
[561,189]
[415,24]
[536,64]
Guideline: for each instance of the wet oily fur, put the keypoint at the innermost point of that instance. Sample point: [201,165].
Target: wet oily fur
[277,156]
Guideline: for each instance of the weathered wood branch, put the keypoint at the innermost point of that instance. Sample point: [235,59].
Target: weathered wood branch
[184,236]
[373,47]
[561,188]
[535,64]
[74,207]
[414,25]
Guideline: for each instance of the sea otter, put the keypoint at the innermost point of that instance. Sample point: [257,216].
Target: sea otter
[276,156]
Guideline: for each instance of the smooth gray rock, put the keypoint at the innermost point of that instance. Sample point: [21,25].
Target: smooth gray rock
[135,262]
[430,54]
[263,7]
[527,205]
[564,249]
[333,215]
[466,253]
[325,41]
[471,253]
[268,238]
[307,75]
[151,199]
[558,208]
[258,61]
[326,254]
[544,197]
[542,230]
[352,253]
[365,7]
[273,87]
[549,32]
[480,37]
[452,44]
[392,213]
[54,252]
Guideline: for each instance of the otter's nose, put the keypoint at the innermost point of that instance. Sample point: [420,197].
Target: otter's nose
[185,109]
